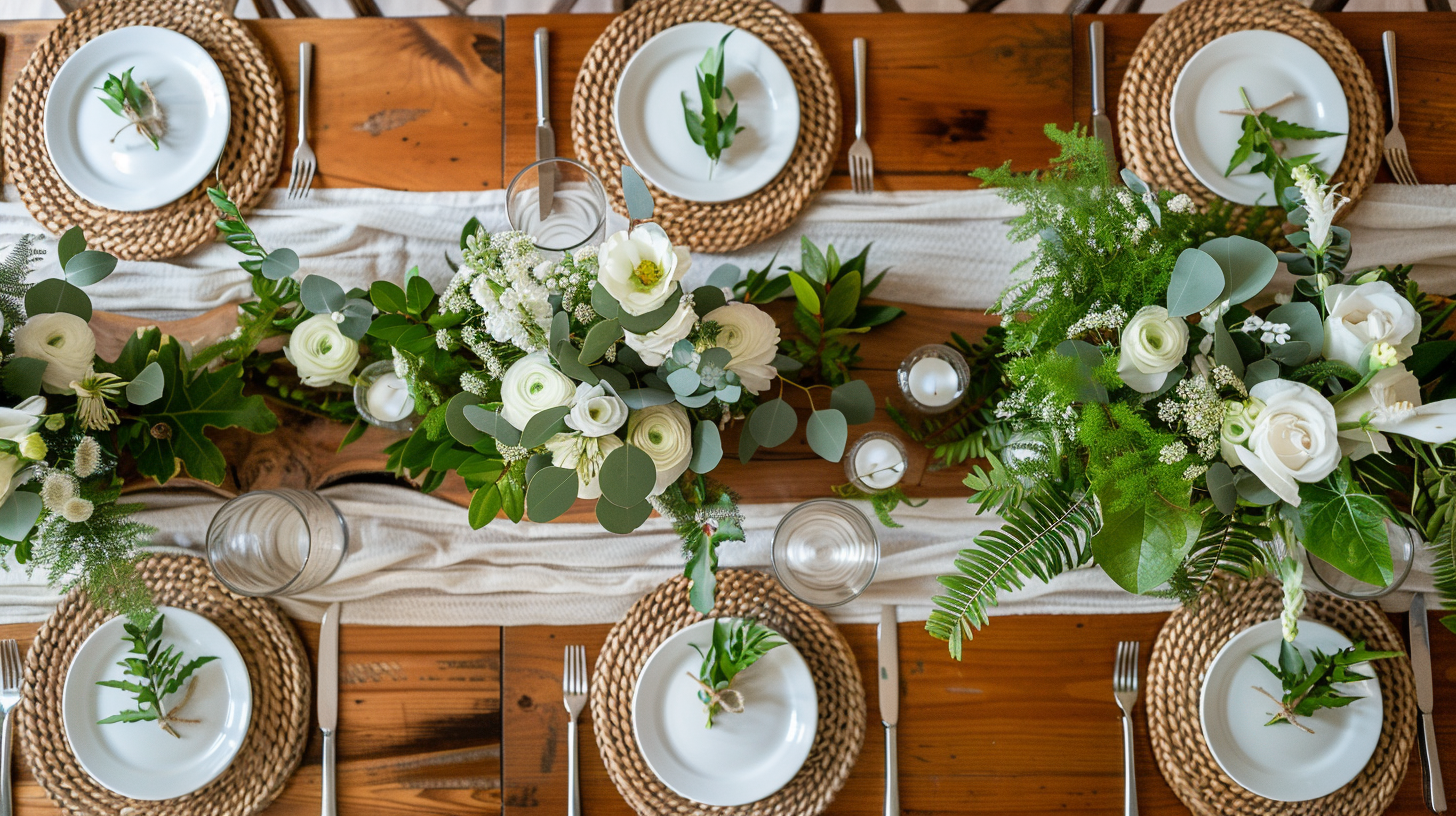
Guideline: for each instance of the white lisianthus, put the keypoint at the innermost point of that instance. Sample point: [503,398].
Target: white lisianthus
[654,346]
[1362,316]
[1320,203]
[532,385]
[10,475]
[1153,343]
[64,341]
[17,422]
[1391,402]
[1293,440]
[583,454]
[640,268]
[752,337]
[595,412]
[663,431]
[321,353]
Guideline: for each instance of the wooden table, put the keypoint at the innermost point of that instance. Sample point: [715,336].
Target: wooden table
[449,720]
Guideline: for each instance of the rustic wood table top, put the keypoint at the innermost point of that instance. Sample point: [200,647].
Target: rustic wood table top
[455,720]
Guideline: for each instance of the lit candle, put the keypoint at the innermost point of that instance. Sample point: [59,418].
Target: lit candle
[879,463]
[389,398]
[934,382]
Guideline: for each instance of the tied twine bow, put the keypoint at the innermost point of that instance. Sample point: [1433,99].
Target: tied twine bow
[728,699]
[152,124]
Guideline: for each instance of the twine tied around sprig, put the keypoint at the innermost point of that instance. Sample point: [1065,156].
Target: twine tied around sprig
[728,699]
[152,124]
[1286,710]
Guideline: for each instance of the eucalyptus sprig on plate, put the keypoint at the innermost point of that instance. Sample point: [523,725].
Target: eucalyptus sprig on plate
[708,126]
[734,649]
[1308,687]
[158,674]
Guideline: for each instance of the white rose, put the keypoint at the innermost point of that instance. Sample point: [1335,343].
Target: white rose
[654,346]
[595,412]
[752,338]
[1391,402]
[664,433]
[17,422]
[585,455]
[321,353]
[640,269]
[532,385]
[1361,316]
[1293,439]
[66,344]
[10,475]
[1153,343]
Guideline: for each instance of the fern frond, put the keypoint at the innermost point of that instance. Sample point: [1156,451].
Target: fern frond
[14,269]
[1047,534]
[1226,543]
[1442,545]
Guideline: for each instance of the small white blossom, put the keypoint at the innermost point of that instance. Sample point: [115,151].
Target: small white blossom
[1180,204]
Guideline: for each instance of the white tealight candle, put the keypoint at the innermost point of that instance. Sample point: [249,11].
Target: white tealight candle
[389,399]
[879,464]
[934,382]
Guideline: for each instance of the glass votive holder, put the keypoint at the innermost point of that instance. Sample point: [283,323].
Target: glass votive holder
[575,212]
[934,378]
[383,399]
[1402,555]
[825,552]
[876,462]
[276,542]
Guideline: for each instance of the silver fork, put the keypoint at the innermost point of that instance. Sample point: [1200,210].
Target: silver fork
[304,163]
[1125,691]
[861,160]
[1395,153]
[11,672]
[573,691]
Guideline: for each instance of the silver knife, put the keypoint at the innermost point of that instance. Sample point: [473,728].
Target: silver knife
[328,700]
[1420,659]
[1101,125]
[889,638]
[545,136]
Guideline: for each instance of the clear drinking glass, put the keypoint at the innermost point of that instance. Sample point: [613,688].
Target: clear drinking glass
[1402,555]
[578,213]
[825,552]
[276,542]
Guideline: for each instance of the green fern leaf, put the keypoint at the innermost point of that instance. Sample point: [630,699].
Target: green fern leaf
[1225,544]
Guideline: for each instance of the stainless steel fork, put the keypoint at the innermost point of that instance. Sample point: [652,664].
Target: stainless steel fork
[11,673]
[573,690]
[1396,156]
[1125,691]
[861,160]
[304,163]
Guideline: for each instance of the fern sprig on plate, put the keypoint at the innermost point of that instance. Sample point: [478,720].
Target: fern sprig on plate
[159,673]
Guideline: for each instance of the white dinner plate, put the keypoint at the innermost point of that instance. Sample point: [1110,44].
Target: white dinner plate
[648,113]
[127,174]
[140,760]
[743,757]
[1281,762]
[1268,65]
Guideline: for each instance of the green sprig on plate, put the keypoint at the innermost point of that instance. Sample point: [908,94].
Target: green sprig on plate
[1263,134]
[734,649]
[136,104]
[1310,686]
[709,127]
[159,673]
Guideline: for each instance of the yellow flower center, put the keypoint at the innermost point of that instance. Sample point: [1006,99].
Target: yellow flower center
[647,274]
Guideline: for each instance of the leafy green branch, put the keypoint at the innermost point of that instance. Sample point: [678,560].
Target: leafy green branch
[158,672]
[1308,687]
[136,104]
[709,127]
[1264,134]
[734,649]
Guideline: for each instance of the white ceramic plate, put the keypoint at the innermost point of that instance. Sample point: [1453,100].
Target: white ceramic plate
[648,114]
[140,760]
[1281,762]
[1268,65]
[743,757]
[128,174]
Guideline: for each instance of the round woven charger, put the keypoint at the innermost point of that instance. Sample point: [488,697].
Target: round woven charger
[249,162]
[278,670]
[1145,127]
[1181,656]
[727,226]
[741,594]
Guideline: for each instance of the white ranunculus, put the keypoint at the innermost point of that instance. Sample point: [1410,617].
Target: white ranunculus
[640,268]
[752,337]
[1293,440]
[321,353]
[17,422]
[663,431]
[583,454]
[1361,316]
[66,344]
[595,412]
[654,346]
[1391,402]
[530,386]
[1320,204]
[1153,343]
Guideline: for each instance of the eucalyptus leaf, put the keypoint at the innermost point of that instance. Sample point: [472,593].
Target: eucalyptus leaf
[1196,283]
[1261,370]
[603,303]
[695,400]
[18,515]
[622,520]
[773,423]
[612,377]
[627,476]
[568,359]
[71,244]
[533,466]
[22,376]
[637,398]
[599,338]
[683,382]
[146,387]
[855,400]
[89,266]
[708,298]
[1254,491]
[729,394]
[56,295]
[715,357]
[747,445]
[560,329]
[1132,181]
[636,194]
[827,432]
[551,493]
[1305,326]
[279,264]
[707,447]
[545,424]
[726,275]
[1293,353]
[461,429]
[653,320]
[1225,353]
[492,424]
[321,295]
[1248,266]
[784,364]
[1221,488]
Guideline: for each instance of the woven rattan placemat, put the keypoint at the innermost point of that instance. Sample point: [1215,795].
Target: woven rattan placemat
[278,670]
[1144,125]
[1181,656]
[745,594]
[249,162]
[721,227]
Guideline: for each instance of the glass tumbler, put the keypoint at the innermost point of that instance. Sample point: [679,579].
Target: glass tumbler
[1402,555]
[825,552]
[577,211]
[276,542]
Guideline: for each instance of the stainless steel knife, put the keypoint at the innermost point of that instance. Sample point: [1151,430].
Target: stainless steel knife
[545,136]
[328,701]
[1420,659]
[1101,125]
[889,639]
